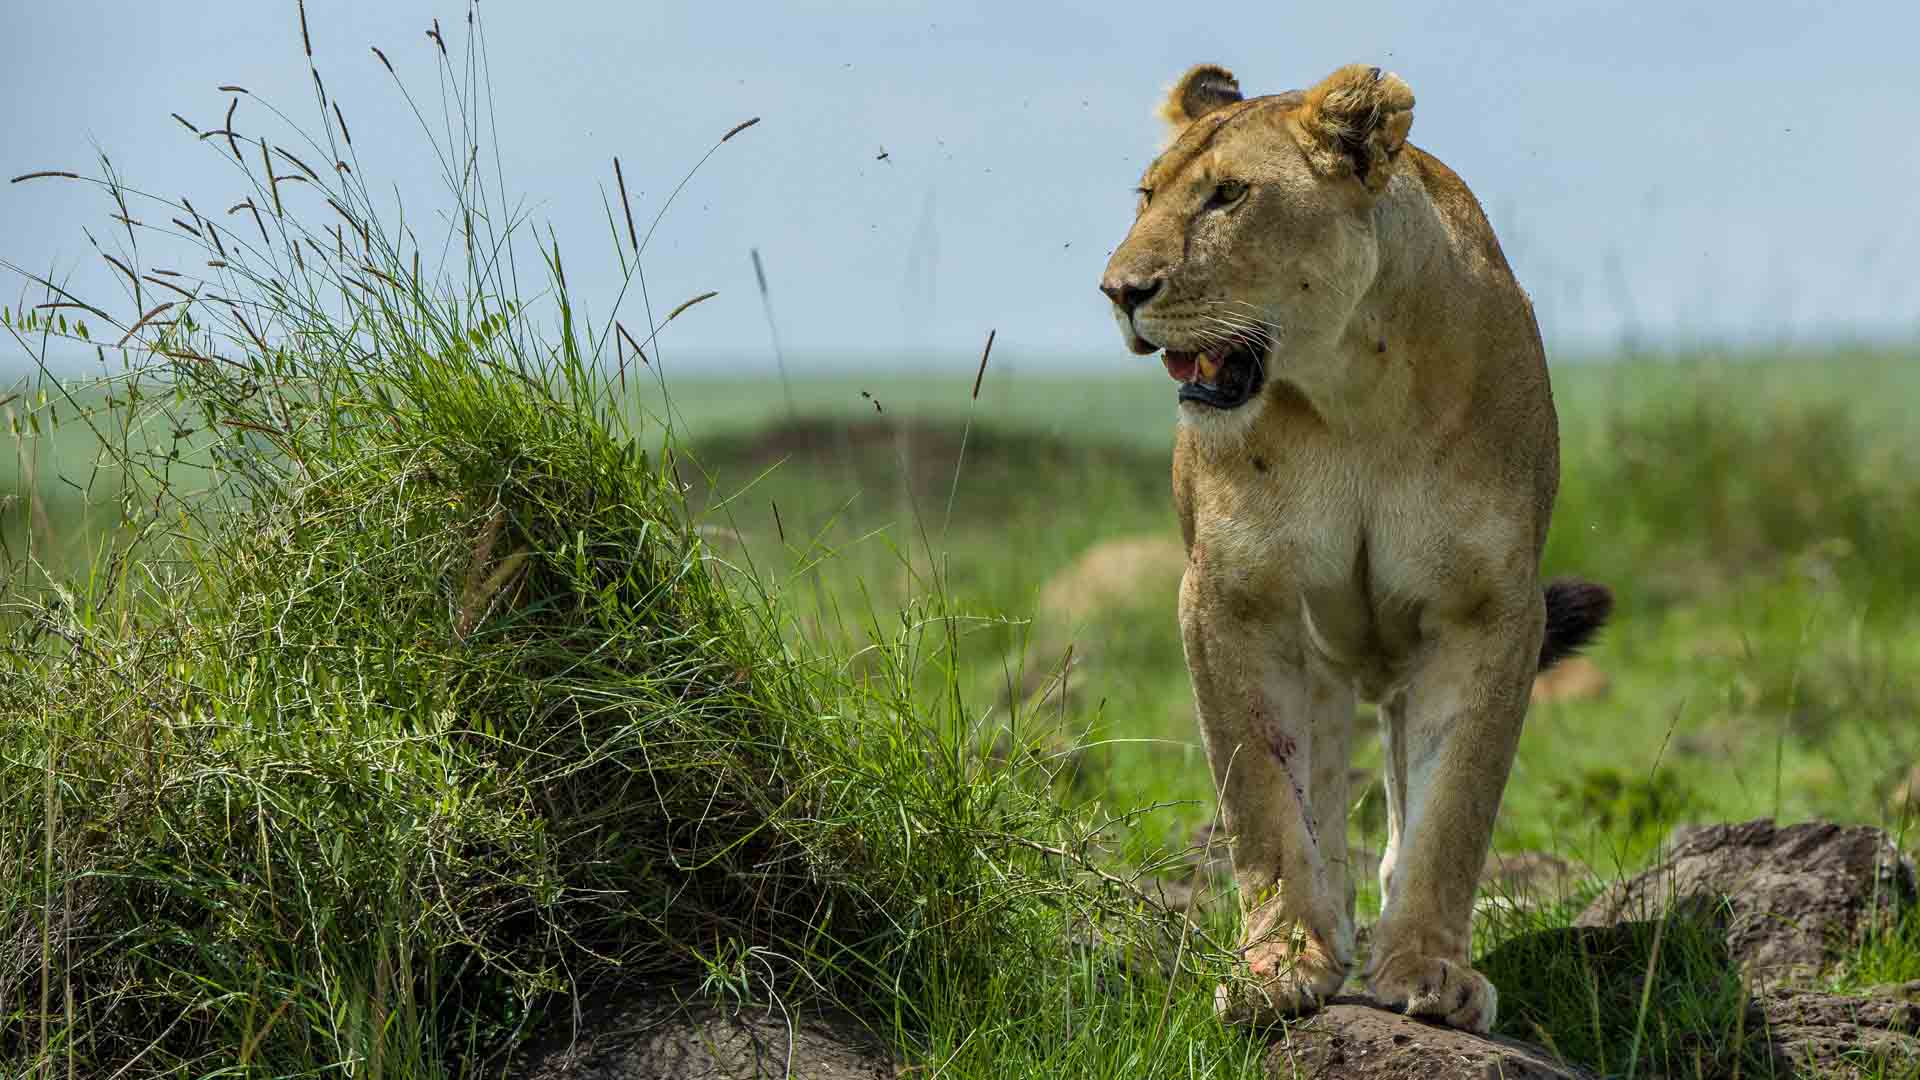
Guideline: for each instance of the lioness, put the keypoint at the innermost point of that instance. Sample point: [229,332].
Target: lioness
[1364,466]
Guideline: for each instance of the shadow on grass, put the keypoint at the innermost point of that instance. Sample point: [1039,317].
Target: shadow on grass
[1656,998]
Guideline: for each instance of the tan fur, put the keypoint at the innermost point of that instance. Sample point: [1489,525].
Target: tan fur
[1368,527]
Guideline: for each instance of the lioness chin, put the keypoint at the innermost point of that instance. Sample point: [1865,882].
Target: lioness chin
[1364,468]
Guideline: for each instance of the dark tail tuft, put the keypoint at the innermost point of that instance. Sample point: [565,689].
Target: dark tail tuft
[1576,610]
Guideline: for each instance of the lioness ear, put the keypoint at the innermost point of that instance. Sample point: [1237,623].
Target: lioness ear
[1199,92]
[1358,120]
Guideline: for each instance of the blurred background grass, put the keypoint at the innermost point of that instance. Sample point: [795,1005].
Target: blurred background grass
[1753,512]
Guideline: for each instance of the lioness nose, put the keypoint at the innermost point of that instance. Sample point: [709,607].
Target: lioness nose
[1128,295]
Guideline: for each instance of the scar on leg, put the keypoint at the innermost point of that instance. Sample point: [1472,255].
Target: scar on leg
[1282,746]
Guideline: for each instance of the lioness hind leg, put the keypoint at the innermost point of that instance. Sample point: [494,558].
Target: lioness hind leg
[1259,717]
[1450,744]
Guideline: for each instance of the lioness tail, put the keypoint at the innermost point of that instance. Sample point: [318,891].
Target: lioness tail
[1576,610]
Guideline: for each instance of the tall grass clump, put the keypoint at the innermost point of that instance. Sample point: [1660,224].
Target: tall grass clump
[409,707]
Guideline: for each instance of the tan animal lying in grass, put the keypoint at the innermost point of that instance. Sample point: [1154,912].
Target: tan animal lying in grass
[1364,469]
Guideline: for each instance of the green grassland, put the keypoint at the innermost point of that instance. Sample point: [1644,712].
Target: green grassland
[384,679]
[1752,513]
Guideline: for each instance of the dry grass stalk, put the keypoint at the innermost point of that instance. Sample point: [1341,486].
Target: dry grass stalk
[170,285]
[61,173]
[982,373]
[248,327]
[738,128]
[376,272]
[213,233]
[144,319]
[228,126]
[633,237]
[477,594]
[70,302]
[273,182]
[247,205]
[132,278]
[632,344]
[301,165]
[675,313]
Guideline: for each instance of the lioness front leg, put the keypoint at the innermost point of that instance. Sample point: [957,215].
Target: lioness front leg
[1450,738]
[1277,734]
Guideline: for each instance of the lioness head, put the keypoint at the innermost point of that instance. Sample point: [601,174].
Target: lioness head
[1254,240]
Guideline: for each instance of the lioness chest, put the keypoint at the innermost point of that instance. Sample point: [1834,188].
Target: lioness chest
[1343,553]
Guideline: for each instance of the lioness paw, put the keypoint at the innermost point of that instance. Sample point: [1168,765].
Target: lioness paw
[1280,980]
[1436,989]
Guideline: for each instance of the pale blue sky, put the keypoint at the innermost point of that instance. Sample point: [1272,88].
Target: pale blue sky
[1673,171]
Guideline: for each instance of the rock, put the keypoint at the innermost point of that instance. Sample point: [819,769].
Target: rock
[1125,572]
[1573,679]
[1351,1039]
[662,1040]
[1830,1036]
[1794,895]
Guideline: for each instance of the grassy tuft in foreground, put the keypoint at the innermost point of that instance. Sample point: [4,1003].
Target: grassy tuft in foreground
[406,705]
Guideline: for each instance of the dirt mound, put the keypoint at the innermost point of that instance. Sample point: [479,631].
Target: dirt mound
[1355,1040]
[1793,895]
[1831,1037]
[1111,574]
[658,1039]
[997,461]
[1114,575]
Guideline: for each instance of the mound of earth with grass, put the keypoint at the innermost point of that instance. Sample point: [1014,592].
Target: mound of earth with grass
[663,1039]
[1793,897]
[926,458]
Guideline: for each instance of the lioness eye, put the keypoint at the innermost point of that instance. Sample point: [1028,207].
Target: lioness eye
[1227,192]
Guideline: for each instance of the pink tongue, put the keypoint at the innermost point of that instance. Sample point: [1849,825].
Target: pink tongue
[1180,365]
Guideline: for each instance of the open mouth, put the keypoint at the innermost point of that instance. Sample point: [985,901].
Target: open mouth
[1225,376]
